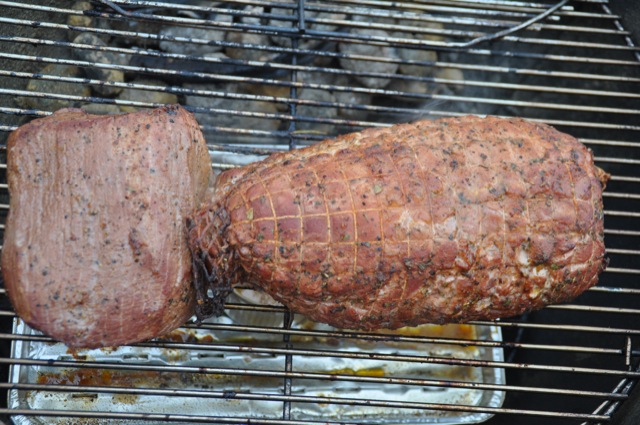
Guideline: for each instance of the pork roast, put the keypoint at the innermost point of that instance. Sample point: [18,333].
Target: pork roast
[438,221]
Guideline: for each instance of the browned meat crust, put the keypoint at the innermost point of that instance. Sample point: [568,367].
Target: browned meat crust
[433,222]
[95,251]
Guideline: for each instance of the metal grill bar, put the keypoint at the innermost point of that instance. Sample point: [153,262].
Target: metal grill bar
[319,86]
[345,378]
[269,397]
[334,353]
[352,38]
[334,121]
[283,67]
[374,337]
[103,415]
[315,103]
[379,5]
[559,327]
[609,408]
[226,420]
[358,10]
[290,67]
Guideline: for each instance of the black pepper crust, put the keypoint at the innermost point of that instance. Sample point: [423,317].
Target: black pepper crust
[437,221]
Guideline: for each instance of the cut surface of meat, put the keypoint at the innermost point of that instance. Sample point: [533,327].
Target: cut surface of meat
[95,251]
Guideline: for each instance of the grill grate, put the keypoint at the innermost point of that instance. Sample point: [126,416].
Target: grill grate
[265,76]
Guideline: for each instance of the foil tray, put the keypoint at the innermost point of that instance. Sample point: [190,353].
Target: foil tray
[152,365]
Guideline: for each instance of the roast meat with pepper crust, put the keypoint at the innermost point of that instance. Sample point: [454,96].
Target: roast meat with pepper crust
[439,221]
[95,250]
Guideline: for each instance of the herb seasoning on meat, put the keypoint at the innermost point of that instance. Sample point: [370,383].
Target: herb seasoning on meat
[432,222]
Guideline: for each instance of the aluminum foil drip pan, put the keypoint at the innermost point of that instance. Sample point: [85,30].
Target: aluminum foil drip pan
[241,369]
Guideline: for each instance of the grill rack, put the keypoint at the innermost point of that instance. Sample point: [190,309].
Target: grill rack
[577,70]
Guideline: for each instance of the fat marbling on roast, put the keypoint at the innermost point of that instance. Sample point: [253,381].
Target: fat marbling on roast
[95,250]
[438,221]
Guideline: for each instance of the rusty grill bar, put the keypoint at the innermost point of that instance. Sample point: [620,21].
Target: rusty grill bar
[279,75]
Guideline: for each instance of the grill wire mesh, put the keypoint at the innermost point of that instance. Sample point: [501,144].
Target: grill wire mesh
[264,76]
